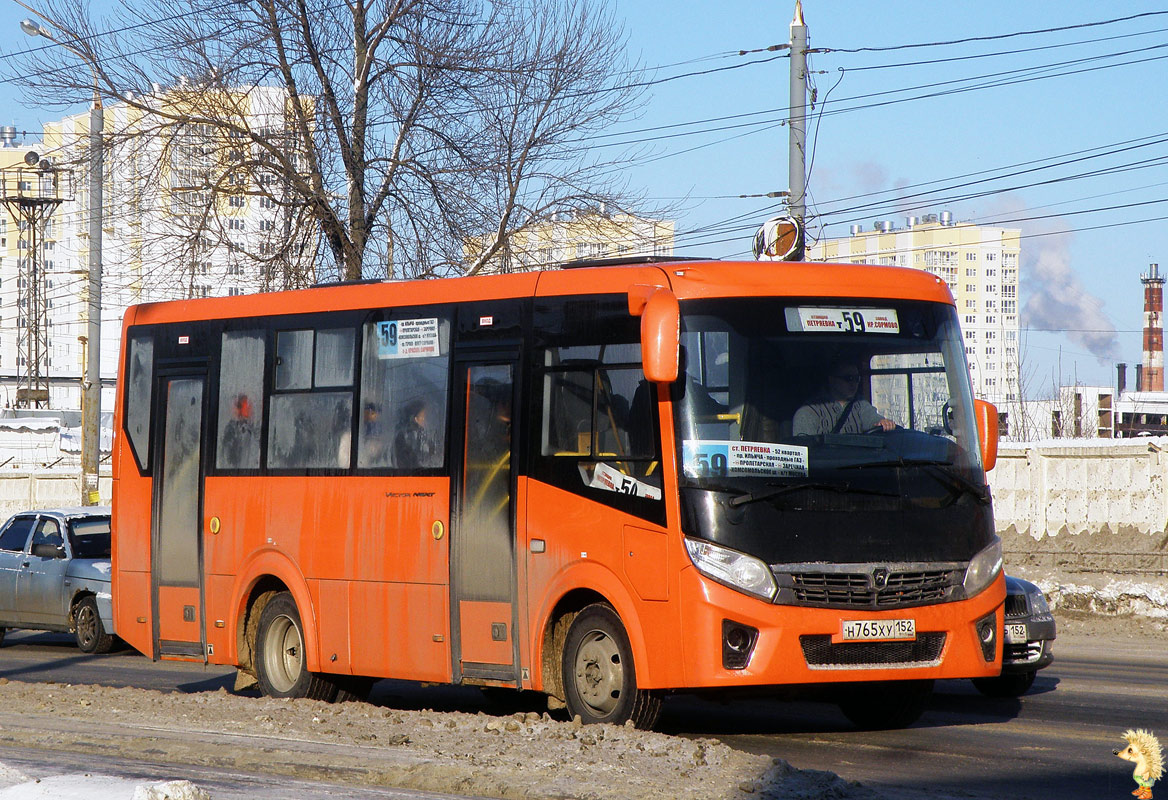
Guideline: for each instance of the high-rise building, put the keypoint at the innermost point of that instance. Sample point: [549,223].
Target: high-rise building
[575,236]
[979,263]
[189,210]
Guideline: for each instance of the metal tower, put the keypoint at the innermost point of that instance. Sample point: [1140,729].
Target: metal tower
[31,193]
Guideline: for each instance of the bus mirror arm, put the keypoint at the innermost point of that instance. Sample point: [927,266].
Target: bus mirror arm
[660,330]
[987,432]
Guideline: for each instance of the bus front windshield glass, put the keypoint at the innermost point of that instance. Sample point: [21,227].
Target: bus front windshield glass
[778,396]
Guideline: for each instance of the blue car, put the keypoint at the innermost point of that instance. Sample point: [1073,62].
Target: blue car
[55,574]
[1028,641]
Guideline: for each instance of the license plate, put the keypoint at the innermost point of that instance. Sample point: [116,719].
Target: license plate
[1016,633]
[869,630]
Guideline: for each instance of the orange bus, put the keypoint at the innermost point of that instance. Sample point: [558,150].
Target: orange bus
[603,483]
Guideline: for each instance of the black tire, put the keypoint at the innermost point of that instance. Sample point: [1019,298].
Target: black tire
[600,680]
[280,661]
[883,706]
[1013,685]
[91,635]
[352,688]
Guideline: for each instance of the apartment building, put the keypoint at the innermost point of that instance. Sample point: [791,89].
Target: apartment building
[979,263]
[182,217]
[576,236]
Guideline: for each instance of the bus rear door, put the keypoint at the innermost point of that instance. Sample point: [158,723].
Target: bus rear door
[176,541]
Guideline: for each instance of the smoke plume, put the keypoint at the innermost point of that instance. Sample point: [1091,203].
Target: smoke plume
[1056,298]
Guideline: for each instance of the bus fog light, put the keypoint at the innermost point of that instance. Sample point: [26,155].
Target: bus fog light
[987,634]
[738,642]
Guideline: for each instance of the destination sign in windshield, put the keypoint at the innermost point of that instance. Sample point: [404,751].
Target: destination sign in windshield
[806,319]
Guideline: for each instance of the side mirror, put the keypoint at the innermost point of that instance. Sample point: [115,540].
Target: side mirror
[660,330]
[987,432]
[48,550]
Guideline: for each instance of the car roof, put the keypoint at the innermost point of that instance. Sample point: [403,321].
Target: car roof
[68,512]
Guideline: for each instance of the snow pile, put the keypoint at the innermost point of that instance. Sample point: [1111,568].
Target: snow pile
[1113,598]
[95,787]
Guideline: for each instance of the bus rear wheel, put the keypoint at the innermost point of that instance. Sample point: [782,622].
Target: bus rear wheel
[599,678]
[280,661]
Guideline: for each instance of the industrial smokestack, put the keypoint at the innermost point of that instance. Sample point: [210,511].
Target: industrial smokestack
[1152,377]
[1120,379]
[1139,376]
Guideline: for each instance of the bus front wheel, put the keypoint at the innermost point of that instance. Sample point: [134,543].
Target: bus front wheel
[280,662]
[600,681]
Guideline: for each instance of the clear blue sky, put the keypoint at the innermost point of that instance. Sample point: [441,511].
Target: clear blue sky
[1085,283]
[1078,277]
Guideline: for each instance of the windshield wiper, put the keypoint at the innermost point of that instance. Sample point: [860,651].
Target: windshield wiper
[781,489]
[936,469]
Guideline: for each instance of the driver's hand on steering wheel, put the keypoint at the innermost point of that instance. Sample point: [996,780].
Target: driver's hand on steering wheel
[885,424]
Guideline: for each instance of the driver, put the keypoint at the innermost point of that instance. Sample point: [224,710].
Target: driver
[837,408]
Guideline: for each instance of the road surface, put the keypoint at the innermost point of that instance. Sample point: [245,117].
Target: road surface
[1056,741]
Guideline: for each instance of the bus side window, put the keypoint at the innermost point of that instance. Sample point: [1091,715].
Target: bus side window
[138,394]
[405,365]
[241,407]
[598,435]
[309,428]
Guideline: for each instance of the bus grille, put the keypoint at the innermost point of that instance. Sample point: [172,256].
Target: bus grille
[1016,605]
[820,653]
[858,590]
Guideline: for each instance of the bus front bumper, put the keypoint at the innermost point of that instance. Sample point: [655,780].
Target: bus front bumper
[731,639]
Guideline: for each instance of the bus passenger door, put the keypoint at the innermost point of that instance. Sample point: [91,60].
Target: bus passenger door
[176,539]
[482,570]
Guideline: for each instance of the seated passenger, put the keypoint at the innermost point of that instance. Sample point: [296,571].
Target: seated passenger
[837,409]
[413,446]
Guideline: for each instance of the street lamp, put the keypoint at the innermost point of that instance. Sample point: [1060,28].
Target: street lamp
[91,382]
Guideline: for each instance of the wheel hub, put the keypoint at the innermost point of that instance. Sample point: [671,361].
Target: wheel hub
[599,672]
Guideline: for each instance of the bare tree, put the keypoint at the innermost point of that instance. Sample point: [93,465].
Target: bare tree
[387,133]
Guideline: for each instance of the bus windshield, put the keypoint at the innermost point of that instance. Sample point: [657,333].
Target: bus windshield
[810,404]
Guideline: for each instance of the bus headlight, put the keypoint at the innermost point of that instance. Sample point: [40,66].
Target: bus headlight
[738,570]
[984,567]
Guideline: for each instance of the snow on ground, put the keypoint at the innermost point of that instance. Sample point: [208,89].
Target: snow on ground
[94,787]
[1080,596]
[1102,593]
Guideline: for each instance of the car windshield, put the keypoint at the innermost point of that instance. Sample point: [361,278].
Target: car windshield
[780,397]
[90,537]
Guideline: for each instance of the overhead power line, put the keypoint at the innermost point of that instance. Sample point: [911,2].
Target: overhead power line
[998,37]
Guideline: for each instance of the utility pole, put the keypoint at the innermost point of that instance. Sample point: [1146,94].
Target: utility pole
[91,391]
[91,384]
[797,132]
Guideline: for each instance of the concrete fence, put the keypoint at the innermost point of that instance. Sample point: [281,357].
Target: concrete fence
[22,490]
[1090,505]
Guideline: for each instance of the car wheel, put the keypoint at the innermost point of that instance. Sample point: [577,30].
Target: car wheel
[881,706]
[280,661]
[1012,685]
[91,635]
[600,681]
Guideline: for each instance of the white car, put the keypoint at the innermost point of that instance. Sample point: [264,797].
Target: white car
[55,574]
